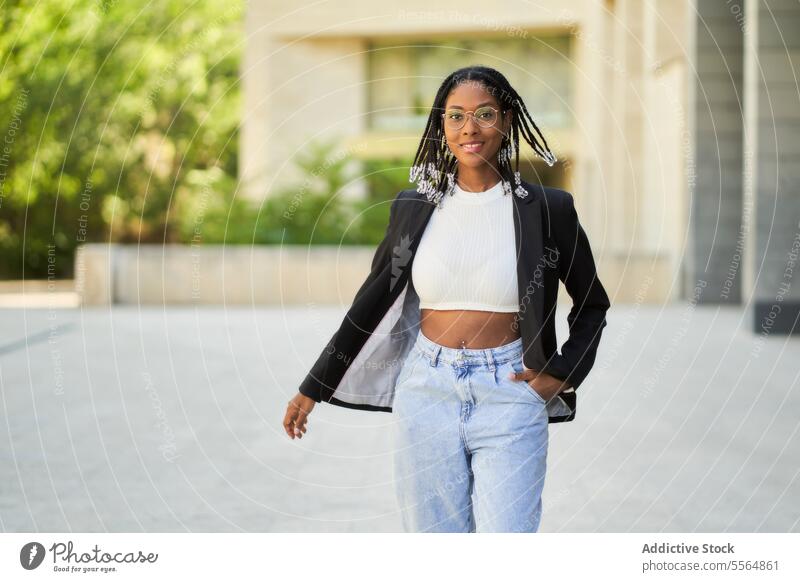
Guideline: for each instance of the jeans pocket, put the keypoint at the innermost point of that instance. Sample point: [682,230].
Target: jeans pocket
[517,366]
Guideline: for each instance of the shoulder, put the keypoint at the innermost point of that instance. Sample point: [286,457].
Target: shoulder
[553,198]
[410,193]
[403,199]
[561,198]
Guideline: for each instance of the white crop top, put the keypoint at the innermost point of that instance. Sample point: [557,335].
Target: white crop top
[466,258]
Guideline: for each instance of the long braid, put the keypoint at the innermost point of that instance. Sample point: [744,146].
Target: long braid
[434,166]
[543,153]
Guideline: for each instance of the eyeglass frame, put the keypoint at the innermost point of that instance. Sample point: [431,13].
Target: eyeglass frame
[444,124]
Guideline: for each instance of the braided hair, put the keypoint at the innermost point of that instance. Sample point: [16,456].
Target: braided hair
[434,165]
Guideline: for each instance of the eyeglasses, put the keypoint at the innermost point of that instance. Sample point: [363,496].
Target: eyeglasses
[455,119]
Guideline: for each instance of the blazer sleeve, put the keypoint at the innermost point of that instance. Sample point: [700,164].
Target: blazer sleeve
[332,362]
[587,317]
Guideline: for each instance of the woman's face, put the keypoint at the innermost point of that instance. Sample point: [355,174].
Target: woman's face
[471,96]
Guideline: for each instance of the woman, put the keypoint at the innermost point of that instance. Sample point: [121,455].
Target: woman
[453,331]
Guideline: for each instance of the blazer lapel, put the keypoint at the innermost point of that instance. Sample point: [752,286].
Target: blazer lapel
[530,273]
[421,217]
[408,237]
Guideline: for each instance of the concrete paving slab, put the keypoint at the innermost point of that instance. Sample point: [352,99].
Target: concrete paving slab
[162,420]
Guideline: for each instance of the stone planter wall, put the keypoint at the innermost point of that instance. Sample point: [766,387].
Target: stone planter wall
[220,274]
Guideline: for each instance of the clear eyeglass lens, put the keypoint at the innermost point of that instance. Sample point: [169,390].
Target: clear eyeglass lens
[456,118]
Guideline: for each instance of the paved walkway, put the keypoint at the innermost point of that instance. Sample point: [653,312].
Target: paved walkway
[170,420]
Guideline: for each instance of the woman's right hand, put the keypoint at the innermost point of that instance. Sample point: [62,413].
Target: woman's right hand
[297,411]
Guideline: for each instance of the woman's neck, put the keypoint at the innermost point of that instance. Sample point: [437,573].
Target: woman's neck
[477,179]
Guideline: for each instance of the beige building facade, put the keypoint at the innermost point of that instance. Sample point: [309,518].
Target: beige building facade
[660,113]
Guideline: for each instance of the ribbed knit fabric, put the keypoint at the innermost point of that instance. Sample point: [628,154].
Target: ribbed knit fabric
[467,258]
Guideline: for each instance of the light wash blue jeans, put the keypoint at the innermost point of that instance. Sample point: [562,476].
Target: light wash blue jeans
[470,444]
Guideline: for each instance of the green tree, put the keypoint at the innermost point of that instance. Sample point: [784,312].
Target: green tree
[111,114]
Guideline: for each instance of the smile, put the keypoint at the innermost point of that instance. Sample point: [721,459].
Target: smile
[472,147]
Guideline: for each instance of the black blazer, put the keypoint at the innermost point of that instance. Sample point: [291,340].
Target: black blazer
[360,364]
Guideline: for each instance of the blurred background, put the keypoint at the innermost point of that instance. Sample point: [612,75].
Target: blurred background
[191,193]
[223,123]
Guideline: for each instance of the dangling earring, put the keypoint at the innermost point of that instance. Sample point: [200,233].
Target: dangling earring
[505,153]
[520,189]
[504,157]
[428,177]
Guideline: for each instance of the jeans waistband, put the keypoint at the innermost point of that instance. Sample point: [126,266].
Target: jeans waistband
[482,356]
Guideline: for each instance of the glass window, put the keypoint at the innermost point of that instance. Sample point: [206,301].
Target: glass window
[403,77]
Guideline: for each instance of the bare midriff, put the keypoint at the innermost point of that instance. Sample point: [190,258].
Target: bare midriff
[473,330]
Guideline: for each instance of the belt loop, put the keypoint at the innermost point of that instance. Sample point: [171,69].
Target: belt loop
[435,355]
[490,358]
